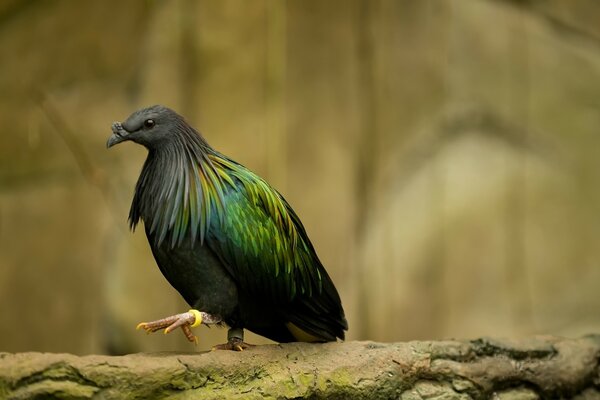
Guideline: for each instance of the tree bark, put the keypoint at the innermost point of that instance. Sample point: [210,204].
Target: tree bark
[532,368]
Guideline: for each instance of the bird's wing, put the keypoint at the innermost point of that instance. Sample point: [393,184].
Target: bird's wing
[264,246]
[263,255]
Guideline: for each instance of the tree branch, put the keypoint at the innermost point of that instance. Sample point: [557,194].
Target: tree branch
[540,367]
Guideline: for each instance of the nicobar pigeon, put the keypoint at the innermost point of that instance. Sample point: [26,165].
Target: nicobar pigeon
[225,240]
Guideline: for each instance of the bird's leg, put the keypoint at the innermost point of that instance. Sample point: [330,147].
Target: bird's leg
[185,321]
[235,341]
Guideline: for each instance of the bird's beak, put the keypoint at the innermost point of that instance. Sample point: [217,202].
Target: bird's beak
[119,135]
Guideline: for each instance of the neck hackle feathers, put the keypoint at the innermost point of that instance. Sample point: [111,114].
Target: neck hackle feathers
[178,189]
[182,188]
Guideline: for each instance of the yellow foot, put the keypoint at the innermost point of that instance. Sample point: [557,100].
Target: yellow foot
[185,321]
[234,344]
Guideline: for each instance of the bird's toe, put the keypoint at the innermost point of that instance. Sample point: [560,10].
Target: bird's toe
[233,344]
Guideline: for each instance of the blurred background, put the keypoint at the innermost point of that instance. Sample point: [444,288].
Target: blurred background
[443,155]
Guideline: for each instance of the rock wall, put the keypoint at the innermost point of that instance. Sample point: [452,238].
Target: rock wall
[441,154]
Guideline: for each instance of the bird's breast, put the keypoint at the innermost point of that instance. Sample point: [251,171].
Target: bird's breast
[198,275]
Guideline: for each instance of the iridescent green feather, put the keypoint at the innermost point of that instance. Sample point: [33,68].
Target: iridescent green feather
[247,222]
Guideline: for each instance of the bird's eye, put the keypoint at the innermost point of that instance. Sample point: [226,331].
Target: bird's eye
[149,123]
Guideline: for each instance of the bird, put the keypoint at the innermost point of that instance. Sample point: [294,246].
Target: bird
[226,240]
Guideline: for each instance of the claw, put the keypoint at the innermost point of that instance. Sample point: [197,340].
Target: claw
[189,335]
[234,344]
[183,320]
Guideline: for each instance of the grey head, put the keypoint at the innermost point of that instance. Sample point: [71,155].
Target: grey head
[150,127]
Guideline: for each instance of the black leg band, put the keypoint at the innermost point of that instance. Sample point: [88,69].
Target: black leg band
[235,333]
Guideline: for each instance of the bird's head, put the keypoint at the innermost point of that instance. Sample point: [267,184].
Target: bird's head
[149,127]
